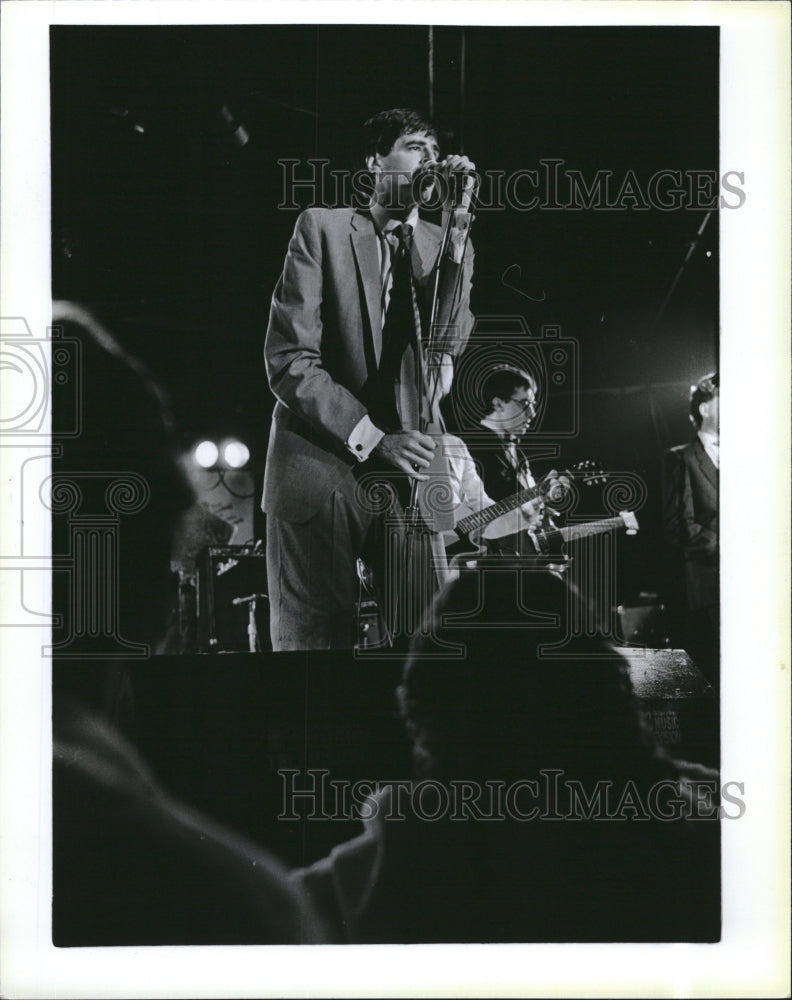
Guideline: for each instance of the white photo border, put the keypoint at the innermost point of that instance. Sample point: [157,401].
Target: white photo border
[752,958]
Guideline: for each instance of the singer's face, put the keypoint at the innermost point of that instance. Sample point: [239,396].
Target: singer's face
[394,187]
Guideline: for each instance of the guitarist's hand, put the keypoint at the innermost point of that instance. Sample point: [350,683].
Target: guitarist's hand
[555,487]
[532,514]
[410,451]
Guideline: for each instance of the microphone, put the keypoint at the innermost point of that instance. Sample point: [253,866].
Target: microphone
[428,170]
[433,173]
[249,599]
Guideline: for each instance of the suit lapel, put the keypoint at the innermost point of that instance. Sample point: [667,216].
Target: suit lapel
[365,246]
[705,463]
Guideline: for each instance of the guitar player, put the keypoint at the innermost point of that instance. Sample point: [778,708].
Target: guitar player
[509,396]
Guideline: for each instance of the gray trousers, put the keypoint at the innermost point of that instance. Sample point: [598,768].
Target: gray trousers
[312,573]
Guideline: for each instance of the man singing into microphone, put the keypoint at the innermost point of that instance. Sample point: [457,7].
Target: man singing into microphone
[347,334]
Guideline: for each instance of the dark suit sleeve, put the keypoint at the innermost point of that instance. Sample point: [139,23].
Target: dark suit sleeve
[682,530]
[499,479]
[293,348]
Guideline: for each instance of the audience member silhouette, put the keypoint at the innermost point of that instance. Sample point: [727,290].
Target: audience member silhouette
[132,865]
[543,735]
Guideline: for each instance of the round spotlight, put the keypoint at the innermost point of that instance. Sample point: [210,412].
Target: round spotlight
[236,454]
[206,454]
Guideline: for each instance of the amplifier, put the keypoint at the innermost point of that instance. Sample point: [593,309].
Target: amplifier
[677,703]
[225,575]
[643,625]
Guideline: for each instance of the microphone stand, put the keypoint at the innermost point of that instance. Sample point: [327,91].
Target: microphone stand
[252,630]
[419,538]
[423,388]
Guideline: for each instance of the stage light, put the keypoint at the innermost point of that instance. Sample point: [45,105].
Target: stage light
[206,454]
[235,454]
[709,253]
[236,135]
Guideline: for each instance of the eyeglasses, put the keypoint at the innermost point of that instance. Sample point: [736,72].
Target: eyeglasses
[526,403]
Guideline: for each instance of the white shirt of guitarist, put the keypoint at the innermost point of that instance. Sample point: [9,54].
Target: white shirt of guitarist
[466,484]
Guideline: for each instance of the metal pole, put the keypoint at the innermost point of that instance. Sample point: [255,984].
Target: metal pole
[430,55]
[462,53]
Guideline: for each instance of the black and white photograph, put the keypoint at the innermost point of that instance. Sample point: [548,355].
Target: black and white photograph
[389,591]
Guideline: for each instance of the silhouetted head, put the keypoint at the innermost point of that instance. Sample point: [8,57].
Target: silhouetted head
[505,684]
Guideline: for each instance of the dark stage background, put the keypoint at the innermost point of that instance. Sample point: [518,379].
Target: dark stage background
[168,226]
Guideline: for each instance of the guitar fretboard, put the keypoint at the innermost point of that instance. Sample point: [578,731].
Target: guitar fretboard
[573,531]
[484,517]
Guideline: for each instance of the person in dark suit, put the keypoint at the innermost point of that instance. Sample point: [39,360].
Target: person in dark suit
[341,360]
[690,507]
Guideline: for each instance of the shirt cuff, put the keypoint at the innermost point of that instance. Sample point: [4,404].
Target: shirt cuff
[364,438]
[459,232]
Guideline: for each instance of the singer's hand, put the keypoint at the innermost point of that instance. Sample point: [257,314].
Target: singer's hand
[447,184]
[409,451]
[458,164]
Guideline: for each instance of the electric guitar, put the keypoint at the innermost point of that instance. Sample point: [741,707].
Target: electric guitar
[545,541]
[506,518]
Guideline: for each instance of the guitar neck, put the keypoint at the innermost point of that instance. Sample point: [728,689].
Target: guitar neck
[586,530]
[489,514]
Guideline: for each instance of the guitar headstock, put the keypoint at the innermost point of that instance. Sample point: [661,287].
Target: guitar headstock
[588,472]
[558,488]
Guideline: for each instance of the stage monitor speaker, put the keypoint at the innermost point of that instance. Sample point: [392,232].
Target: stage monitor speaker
[643,625]
[226,575]
[677,703]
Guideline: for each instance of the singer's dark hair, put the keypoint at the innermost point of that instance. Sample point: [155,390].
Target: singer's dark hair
[382,130]
[702,392]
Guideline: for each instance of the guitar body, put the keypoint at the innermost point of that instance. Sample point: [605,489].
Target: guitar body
[435,497]
[439,538]
[506,535]
[524,542]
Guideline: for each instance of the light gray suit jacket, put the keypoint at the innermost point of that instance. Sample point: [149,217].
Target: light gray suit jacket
[324,343]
